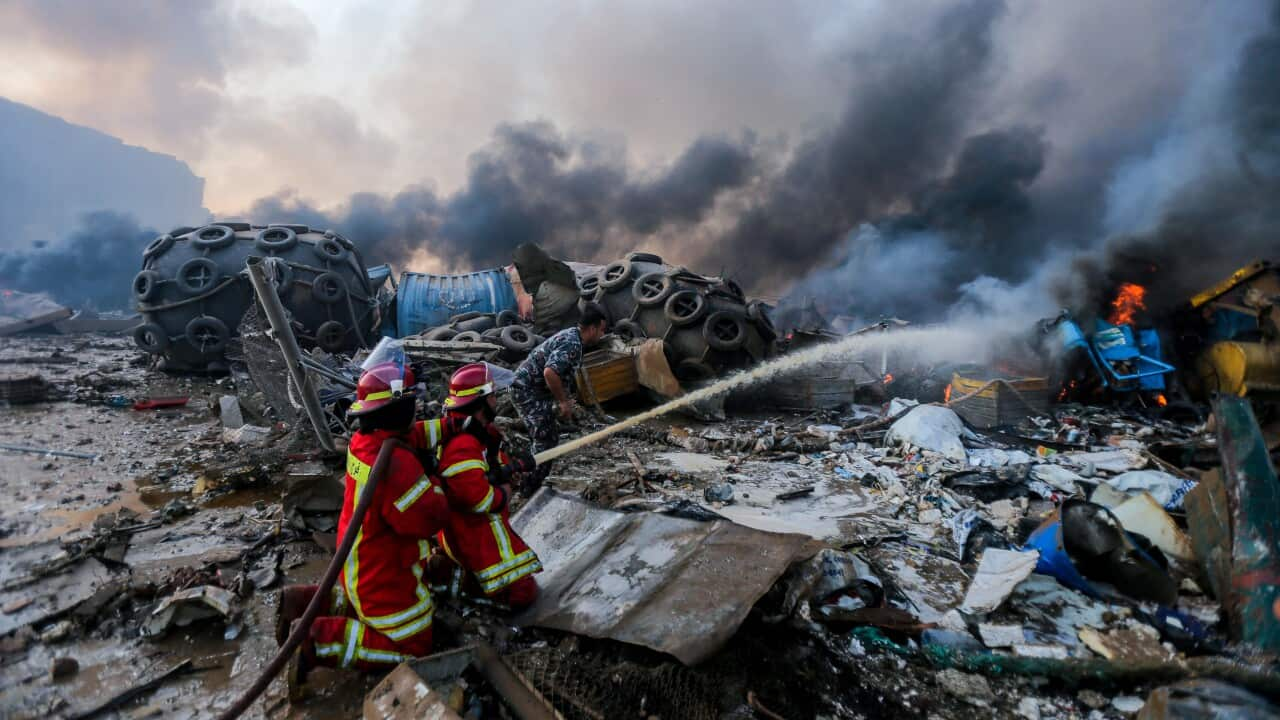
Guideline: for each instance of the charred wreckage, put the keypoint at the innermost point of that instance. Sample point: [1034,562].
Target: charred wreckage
[830,527]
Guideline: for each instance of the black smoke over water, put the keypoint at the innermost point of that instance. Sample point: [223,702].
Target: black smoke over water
[531,184]
[92,268]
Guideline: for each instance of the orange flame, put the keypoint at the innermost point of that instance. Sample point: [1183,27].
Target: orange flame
[1129,300]
[946,394]
[1161,400]
[888,378]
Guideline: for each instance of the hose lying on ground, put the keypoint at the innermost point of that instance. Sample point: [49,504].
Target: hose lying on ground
[322,594]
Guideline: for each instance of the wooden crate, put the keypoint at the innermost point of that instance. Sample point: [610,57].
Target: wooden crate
[996,404]
[605,375]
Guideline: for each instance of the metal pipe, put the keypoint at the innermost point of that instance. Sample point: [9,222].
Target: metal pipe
[47,451]
[321,598]
[270,301]
[329,373]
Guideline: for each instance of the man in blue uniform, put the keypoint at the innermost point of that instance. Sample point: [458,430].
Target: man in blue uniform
[540,389]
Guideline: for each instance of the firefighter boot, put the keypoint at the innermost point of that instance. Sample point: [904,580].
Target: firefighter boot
[293,603]
[300,664]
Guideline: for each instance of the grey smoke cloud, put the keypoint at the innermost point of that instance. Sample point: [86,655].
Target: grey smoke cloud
[981,139]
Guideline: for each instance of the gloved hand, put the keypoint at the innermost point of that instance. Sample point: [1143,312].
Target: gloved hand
[521,463]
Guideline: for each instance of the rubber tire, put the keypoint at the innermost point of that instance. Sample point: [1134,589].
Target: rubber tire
[151,338]
[145,284]
[508,317]
[330,249]
[157,247]
[629,330]
[757,315]
[493,335]
[477,324]
[615,275]
[328,288]
[721,320]
[588,286]
[340,240]
[665,285]
[187,268]
[207,327]
[463,317]
[284,280]
[218,237]
[517,338]
[690,370]
[180,231]
[678,298]
[735,289]
[276,239]
[331,336]
[645,258]
[468,336]
[444,333]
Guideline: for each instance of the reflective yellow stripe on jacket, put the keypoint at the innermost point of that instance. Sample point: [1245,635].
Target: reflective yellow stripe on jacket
[407,622]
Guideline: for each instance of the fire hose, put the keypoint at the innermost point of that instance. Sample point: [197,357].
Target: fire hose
[321,597]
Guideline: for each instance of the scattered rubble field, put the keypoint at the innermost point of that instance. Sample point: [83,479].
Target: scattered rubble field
[867,561]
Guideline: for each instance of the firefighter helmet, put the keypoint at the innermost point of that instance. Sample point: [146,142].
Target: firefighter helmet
[380,386]
[468,385]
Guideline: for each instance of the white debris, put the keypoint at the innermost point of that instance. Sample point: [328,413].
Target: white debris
[999,573]
[1128,704]
[1029,708]
[1058,477]
[1162,486]
[900,405]
[995,457]
[229,412]
[930,427]
[1143,515]
[246,435]
[1113,461]
[998,636]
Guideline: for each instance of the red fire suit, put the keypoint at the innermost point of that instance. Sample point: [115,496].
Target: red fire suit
[478,535]
[381,608]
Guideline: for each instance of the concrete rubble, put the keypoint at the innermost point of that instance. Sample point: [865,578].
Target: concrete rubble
[880,554]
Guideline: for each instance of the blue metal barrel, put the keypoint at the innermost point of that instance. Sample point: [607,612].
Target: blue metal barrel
[425,301]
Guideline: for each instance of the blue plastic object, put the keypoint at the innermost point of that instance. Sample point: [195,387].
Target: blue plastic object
[425,301]
[1110,345]
[1054,560]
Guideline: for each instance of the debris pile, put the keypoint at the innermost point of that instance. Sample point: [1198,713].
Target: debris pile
[863,536]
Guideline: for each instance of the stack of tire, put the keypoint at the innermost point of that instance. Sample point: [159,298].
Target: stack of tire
[193,290]
[502,329]
[706,323]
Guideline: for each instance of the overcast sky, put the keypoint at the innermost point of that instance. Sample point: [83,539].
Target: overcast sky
[329,97]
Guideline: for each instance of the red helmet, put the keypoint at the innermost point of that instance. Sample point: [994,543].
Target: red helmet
[469,384]
[381,385]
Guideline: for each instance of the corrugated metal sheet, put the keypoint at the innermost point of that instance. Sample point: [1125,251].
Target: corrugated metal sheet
[674,585]
[424,301]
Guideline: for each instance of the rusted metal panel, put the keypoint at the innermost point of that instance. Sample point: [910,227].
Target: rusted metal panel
[1253,499]
[674,585]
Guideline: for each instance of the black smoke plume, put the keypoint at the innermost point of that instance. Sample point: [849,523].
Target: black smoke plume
[92,268]
[531,184]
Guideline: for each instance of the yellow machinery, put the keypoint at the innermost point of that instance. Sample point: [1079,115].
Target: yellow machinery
[1242,323]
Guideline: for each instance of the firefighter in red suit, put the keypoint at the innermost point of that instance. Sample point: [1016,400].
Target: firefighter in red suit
[477,482]
[381,609]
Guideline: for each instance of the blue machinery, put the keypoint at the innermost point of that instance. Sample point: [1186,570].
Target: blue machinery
[1124,363]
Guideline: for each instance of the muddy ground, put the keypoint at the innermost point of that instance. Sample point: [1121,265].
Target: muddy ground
[177,525]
